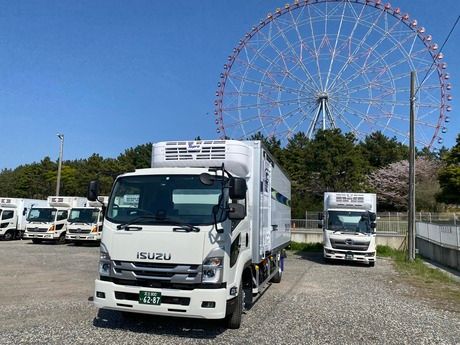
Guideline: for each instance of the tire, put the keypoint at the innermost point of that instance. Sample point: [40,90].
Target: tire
[9,235]
[61,239]
[233,320]
[36,241]
[277,277]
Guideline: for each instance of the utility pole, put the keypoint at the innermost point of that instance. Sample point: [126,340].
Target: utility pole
[411,220]
[58,182]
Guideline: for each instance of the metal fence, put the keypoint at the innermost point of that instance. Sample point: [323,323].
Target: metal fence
[387,222]
[445,235]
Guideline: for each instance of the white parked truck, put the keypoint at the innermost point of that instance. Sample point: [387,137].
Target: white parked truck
[50,223]
[84,224]
[349,227]
[197,235]
[13,214]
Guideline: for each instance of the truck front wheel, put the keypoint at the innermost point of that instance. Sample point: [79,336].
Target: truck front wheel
[61,239]
[9,235]
[233,320]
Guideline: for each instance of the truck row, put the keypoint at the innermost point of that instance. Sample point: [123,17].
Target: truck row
[60,219]
[199,234]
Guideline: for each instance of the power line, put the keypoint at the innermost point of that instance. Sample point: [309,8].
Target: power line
[440,50]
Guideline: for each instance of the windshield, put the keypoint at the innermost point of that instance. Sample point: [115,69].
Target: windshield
[83,215]
[351,221]
[41,215]
[165,198]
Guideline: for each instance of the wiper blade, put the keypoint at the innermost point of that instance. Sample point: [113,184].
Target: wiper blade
[186,227]
[180,226]
[134,220]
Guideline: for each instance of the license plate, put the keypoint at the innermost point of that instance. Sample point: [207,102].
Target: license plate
[77,237]
[150,297]
[348,256]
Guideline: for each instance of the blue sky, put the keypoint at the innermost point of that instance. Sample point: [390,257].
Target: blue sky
[114,74]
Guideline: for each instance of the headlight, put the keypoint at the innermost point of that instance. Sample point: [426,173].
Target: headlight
[212,269]
[104,261]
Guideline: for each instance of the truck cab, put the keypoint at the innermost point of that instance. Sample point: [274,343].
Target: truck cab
[349,227]
[8,224]
[84,224]
[196,235]
[50,223]
[13,214]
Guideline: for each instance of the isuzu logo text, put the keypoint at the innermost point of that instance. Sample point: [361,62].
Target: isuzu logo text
[153,256]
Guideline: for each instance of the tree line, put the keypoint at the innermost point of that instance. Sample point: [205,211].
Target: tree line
[331,161]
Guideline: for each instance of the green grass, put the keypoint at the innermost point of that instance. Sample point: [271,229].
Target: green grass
[417,268]
[431,283]
[306,247]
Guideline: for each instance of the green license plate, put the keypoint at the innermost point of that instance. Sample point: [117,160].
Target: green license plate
[150,297]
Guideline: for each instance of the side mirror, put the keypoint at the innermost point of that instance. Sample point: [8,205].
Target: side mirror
[24,211]
[236,211]
[238,188]
[207,179]
[93,191]
[372,216]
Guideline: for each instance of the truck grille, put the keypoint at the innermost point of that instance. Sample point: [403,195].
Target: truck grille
[37,229]
[157,272]
[349,244]
[79,231]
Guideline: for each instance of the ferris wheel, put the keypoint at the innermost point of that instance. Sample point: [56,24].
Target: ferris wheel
[323,64]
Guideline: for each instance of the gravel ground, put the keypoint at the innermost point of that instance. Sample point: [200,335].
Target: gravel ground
[45,299]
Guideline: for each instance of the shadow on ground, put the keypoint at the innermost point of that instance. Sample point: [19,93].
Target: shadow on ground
[161,325]
[317,257]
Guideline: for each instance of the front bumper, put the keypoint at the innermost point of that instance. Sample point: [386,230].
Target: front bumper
[42,235]
[124,298]
[83,237]
[334,254]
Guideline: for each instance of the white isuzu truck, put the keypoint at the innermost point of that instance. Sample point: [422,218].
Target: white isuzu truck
[13,214]
[197,235]
[50,223]
[349,227]
[84,224]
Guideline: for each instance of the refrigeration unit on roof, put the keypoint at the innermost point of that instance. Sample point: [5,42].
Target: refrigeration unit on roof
[7,202]
[349,200]
[203,153]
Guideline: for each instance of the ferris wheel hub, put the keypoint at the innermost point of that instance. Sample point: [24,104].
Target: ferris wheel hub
[322,96]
